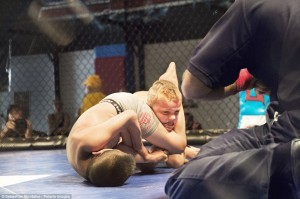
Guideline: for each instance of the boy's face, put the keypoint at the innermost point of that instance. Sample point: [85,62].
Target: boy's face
[167,112]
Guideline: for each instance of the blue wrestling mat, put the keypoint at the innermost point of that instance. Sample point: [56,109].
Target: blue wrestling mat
[47,174]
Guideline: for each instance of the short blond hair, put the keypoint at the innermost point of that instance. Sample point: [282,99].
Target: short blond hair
[163,88]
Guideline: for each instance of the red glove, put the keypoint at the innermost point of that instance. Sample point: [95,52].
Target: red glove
[244,80]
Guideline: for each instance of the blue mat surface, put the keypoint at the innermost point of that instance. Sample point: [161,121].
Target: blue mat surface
[47,174]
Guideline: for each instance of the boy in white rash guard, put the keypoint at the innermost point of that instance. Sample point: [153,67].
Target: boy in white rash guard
[165,99]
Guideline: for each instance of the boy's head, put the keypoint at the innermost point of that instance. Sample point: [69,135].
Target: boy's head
[165,100]
[163,90]
[111,168]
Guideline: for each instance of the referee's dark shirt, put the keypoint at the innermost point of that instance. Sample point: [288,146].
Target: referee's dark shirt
[264,36]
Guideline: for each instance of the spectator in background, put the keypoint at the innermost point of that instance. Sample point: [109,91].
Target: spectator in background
[190,123]
[58,121]
[17,125]
[93,93]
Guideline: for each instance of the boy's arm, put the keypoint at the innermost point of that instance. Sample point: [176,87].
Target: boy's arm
[96,137]
[153,157]
[170,141]
[93,138]
[180,126]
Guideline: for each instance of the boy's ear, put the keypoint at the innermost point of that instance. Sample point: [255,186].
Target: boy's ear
[170,74]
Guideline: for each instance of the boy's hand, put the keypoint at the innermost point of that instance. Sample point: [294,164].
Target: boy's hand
[154,155]
[157,156]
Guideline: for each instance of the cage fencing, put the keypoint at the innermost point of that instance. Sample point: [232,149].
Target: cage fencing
[49,47]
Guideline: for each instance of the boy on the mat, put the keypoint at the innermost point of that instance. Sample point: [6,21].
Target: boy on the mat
[119,121]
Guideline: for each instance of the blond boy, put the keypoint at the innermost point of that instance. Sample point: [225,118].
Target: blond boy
[165,100]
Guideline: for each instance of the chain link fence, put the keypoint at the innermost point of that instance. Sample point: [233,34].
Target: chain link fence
[49,47]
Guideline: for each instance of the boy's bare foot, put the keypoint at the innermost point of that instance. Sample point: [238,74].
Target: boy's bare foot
[191,152]
[157,156]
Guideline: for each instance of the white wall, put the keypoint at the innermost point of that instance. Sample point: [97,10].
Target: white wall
[74,68]
[33,74]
